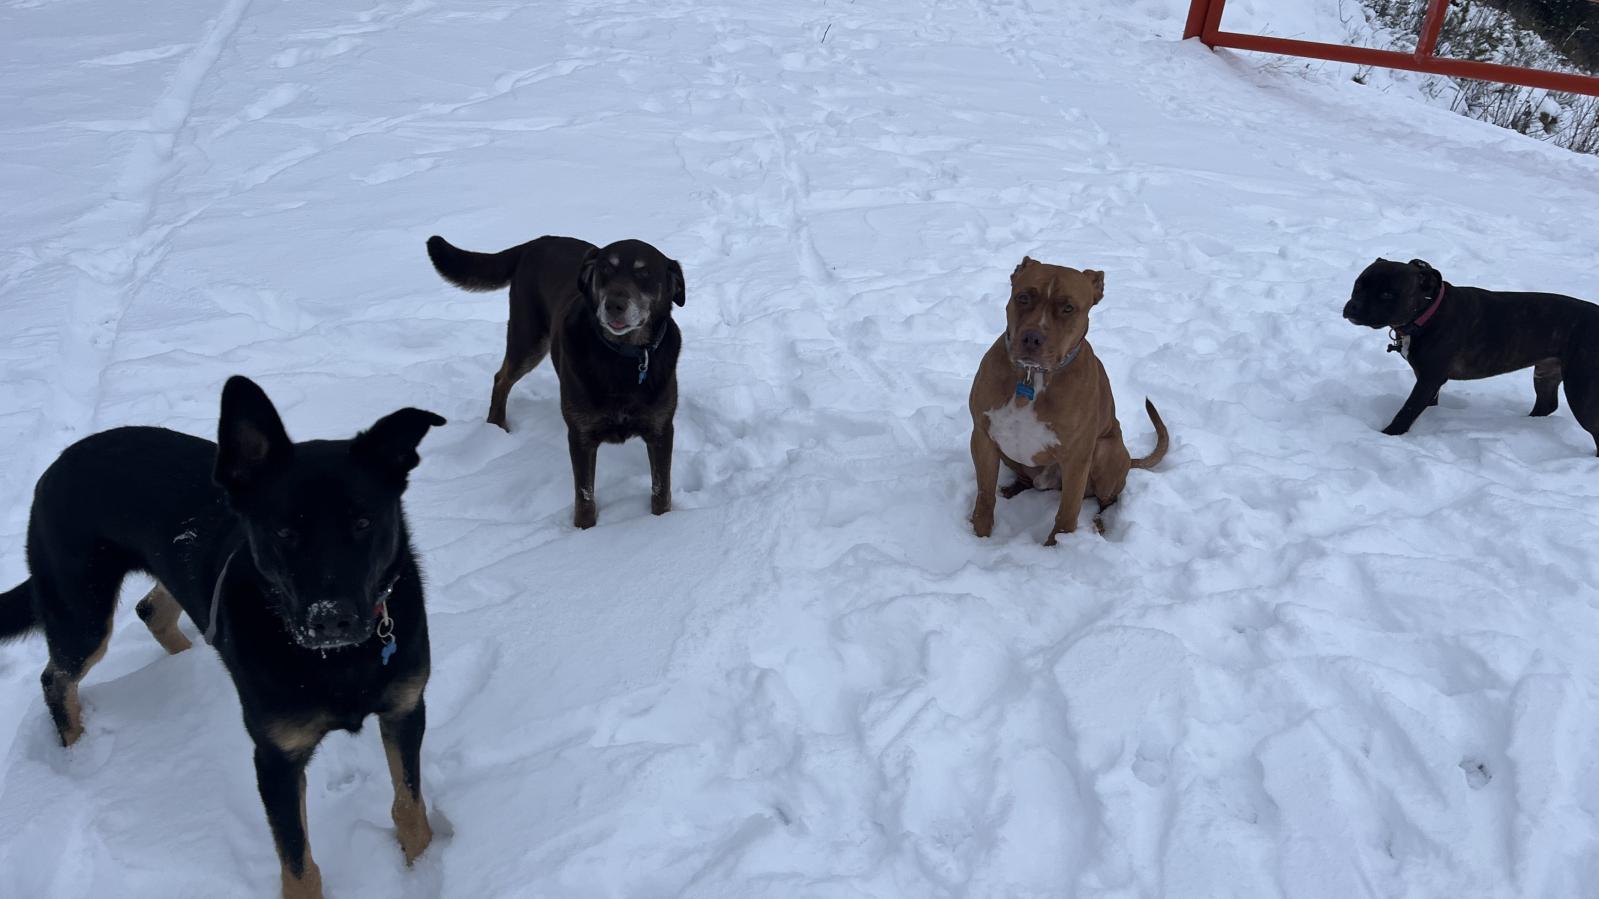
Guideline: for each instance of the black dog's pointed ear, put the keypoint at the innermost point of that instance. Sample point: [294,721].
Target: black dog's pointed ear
[585,272]
[389,446]
[679,289]
[251,442]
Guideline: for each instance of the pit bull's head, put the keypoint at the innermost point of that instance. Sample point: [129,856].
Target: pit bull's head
[1048,311]
[1391,294]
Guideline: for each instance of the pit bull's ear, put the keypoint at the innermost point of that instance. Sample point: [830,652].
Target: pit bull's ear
[251,442]
[1097,279]
[1026,261]
[585,273]
[1431,280]
[1422,264]
[678,288]
[389,446]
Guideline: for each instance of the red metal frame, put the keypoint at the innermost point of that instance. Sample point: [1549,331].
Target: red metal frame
[1204,22]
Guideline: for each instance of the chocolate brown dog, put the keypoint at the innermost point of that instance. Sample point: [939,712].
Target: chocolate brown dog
[1042,404]
[1450,332]
[604,314]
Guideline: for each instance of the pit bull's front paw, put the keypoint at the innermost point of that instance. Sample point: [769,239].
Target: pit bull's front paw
[1050,541]
[1394,430]
[982,523]
[660,504]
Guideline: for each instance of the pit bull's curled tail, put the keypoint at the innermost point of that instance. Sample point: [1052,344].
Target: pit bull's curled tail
[1161,439]
[473,271]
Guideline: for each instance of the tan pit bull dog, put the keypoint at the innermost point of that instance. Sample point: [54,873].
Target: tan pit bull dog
[1042,403]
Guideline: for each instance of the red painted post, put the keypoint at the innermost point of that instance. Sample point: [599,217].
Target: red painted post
[1196,18]
[1213,20]
[1430,27]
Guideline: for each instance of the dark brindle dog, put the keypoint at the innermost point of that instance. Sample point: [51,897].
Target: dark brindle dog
[293,556]
[1446,331]
[604,314]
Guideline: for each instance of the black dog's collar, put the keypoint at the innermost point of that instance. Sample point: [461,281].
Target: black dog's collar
[1401,335]
[632,350]
[1027,390]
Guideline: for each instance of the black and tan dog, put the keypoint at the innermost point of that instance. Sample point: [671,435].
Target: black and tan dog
[1446,332]
[604,315]
[1042,404]
[294,557]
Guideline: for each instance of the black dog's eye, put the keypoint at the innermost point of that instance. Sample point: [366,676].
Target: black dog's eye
[287,535]
[1387,296]
[362,524]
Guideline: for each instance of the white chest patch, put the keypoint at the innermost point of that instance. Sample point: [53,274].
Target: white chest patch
[1019,432]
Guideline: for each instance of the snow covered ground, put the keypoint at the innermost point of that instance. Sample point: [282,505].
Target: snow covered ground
[1307,660]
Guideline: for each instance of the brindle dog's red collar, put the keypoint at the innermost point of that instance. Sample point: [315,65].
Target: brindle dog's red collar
[1422,319]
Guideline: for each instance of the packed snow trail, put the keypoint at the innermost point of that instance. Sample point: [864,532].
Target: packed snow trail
[1307,660]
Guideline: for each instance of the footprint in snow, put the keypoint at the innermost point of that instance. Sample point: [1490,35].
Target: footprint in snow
[1477,775]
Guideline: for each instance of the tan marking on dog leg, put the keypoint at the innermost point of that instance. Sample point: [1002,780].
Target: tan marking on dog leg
[160,613]
[410,814]
[402,696]
[309,884]
[61,691]
[297,736]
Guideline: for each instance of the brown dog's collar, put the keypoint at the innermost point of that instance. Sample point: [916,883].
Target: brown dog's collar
[1026,389]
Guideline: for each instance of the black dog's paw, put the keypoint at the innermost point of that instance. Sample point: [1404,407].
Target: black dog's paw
[1394,430]
[584,516]
[660,505]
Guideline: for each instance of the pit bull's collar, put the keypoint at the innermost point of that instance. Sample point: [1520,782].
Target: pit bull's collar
[1402,334]
[1028,389]
[633,350]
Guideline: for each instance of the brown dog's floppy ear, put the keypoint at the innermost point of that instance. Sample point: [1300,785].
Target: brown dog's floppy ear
[585,273]
[389,446]
[251,442]
[1096,278]
[679,289]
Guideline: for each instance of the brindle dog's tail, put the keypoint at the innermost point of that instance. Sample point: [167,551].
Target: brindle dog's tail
[473,271]
[1162,441]
[16,611]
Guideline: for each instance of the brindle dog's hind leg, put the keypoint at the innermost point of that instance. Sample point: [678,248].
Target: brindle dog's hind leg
[160,612]
[1546,387]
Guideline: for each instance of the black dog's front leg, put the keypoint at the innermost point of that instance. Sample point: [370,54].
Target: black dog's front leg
[584,449]
[659,445]
[1424,394]
[281,780]
[402,743]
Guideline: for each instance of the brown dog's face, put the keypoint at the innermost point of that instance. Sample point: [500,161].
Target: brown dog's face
[630,285]
[1390,294]
[1048,311]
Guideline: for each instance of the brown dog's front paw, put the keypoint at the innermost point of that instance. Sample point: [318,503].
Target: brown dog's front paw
[983,523]
[584,516]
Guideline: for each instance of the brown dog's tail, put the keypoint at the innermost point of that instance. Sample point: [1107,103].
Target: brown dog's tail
[1162,441]
[473,271]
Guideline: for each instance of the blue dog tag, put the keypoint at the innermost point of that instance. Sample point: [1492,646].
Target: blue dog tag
[388,650]
[1025,390]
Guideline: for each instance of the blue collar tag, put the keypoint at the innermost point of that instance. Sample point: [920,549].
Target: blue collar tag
[1025,390]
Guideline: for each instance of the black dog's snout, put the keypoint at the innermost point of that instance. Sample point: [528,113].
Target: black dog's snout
[615,308]
[1351,308]
[330,623]
[1032,341]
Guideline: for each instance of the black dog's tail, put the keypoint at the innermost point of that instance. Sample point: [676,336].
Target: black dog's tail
[473,271]
[16,610]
